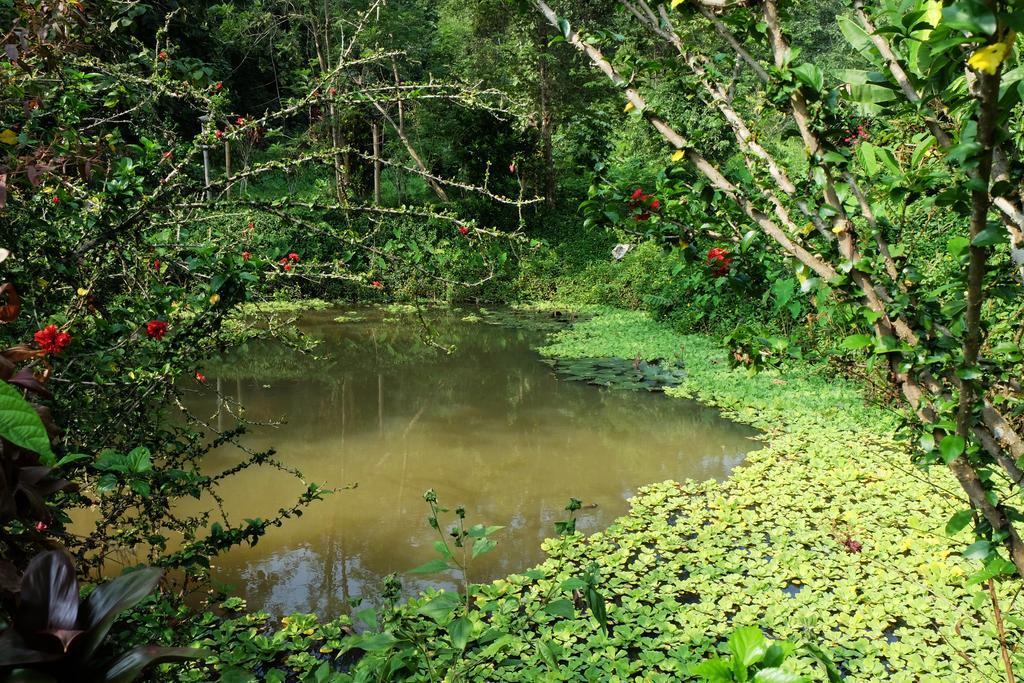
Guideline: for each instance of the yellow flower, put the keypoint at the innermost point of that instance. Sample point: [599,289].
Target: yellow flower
[987,59]
[677,3]
[215,299]
[629,107]
[9,137]
[678,155]
[82,291]
[839,229]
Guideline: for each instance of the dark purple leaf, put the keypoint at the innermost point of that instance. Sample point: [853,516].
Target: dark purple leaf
[26,379]
[128,667]
[107,601]
[49,595]
[14,651]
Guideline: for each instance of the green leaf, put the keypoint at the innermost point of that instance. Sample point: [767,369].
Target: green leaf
[561,608]
[958,521]
[713,671]
[776,675]
[951,447]
[957,245]
[831,670]
[21,425]
[856,342]
[748,644]
[969,15]
[440,606]
[431,567]
[483,545]
[868,159]
[857,37]
[978,550]
[990,237]
[868,97]
[811,76]
[460,630]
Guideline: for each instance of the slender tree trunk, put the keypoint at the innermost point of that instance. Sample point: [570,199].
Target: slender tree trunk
[375,132]
[546,116]
[227,169]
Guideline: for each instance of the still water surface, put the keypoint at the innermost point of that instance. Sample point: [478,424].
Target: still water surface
[489,427]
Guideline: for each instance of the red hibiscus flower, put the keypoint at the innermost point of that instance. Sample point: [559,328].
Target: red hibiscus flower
[638,193]
[51,340]
[156,265]
[287,266]
[283,260]
[293,257]
[162,55]
[156,329]
[240,121]
[246,255]
[377,284]
[42,526]
[200,377]
[655,205]
[719,260]
[218,86]
[463,230]
[217,134]
[56,199]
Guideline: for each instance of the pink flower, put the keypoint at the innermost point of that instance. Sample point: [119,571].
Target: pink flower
[240,121]
[42,526]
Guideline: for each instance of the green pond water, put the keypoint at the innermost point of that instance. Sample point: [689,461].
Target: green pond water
[489,426]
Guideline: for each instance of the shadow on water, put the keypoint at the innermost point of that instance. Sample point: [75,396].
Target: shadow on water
[488,427]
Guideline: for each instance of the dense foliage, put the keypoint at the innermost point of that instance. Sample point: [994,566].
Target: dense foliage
[825,188]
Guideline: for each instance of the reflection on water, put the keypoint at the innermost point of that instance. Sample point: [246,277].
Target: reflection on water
[488,427]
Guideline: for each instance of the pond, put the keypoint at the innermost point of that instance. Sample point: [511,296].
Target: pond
[489,427]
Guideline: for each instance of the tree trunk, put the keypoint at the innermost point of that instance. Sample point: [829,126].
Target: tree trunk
[546,116]
[375,132]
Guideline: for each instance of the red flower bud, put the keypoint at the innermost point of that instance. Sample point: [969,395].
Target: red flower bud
[56,199]
[200,377]
[287,266]
[240,121]
[293,257]
[156,265]
[162,55]
[463,230]
[377,284]
[246,255]
[218,86]
[217,134]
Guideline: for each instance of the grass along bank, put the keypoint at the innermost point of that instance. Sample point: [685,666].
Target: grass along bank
[827,533]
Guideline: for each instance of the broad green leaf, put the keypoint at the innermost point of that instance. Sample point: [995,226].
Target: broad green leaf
[969,15]
[747,644]
[978,550]
[459,631]
[561,608]
[440,606]
[21,425]
[958,521]
[776,675]
[431,567]
[811,76]
[951,447]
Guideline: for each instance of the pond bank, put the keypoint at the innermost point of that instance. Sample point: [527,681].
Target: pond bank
[826,534]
